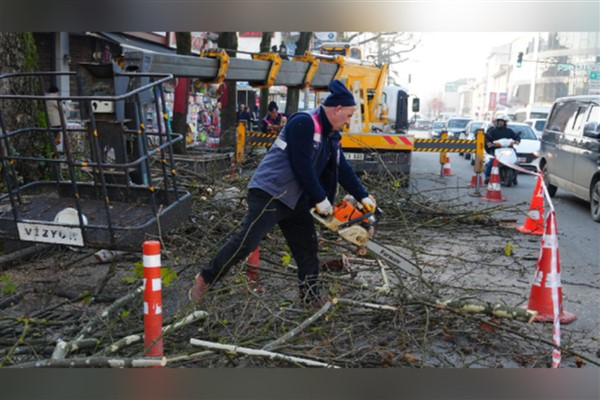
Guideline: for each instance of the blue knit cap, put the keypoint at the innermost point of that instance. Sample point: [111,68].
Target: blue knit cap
[340,95]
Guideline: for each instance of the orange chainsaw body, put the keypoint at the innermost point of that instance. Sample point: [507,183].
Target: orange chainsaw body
[345,211]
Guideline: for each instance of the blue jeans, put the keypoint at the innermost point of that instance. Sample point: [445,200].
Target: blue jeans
[488,167]
[297,226]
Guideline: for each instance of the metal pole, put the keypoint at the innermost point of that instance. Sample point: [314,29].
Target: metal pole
[536,49]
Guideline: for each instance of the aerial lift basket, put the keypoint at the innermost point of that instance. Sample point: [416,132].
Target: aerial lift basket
[111,181]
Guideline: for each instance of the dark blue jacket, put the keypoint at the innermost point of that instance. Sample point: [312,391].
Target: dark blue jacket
[306,158]
[499,133]
[267,121]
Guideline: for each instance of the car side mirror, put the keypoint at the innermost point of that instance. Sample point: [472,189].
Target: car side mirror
[416,103]
[592,130]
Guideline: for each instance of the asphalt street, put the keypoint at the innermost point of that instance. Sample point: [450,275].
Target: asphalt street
[578,235]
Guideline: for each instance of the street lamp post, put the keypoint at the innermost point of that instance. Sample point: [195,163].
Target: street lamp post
[536,48]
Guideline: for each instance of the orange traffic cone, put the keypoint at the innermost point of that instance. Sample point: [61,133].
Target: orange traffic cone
[252,264]
[474,181]
[546,292]
[534,223]
[447,171]
[493,190]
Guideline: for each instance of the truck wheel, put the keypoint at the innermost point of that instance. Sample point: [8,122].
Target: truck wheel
[595,201]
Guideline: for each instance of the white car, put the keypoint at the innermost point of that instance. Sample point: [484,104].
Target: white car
[529,146]
[537,125]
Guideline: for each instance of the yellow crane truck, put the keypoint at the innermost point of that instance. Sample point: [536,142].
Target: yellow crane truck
[378,130]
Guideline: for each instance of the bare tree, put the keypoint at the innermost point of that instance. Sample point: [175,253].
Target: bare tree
[265,46]
[19,54]
[390,47]
[293,94]
[228,41]
[179,123]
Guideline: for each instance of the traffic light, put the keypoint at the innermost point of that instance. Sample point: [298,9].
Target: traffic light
[520,59]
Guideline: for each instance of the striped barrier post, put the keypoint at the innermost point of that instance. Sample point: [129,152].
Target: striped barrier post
[153,342]
[443,155]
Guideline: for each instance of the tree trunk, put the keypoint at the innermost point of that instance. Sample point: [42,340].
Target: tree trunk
[293,94]
[228,41]
[265,46]
[19,54]
[179,122]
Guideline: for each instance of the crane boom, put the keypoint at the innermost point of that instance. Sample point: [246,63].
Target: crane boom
[369,130]
[207,67]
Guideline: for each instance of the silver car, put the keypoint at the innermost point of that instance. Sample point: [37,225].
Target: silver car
[456,126]
[436,129]
[570,149]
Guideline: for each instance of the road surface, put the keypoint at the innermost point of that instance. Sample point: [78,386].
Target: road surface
[578,234]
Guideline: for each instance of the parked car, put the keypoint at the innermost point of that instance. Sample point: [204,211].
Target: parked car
[456,126]
[537,125]
[570,149]
[423,124]
[436,129]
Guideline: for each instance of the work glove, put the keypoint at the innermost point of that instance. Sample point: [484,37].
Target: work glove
[369,203]
[324,207]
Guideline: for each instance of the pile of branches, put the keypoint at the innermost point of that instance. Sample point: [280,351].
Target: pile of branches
[465,310]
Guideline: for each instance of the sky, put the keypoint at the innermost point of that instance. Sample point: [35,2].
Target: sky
[447,56]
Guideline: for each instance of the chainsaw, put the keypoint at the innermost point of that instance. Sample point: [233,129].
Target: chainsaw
[356,225]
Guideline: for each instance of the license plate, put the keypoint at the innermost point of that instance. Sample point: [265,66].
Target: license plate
[522,160]
[354,156]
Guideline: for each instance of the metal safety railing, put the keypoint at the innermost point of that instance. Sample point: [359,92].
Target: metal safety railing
[109,179]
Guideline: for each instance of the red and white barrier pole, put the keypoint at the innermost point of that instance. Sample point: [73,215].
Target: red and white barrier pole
[153,342]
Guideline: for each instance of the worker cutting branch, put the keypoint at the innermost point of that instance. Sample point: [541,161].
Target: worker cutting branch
[300,171]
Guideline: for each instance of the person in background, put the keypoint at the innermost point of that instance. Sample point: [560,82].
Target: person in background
[255,118]
[300,171]
[272,122]
[499,131]
[283,51]
[245,114]
[240,110]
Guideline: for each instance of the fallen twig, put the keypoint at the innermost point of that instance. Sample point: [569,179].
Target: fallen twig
[260,353]
[96,362]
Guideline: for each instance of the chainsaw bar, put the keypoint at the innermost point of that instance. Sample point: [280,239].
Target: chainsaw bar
[394,258]
[346,221]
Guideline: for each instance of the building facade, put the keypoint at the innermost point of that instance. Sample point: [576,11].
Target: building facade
[554,64]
